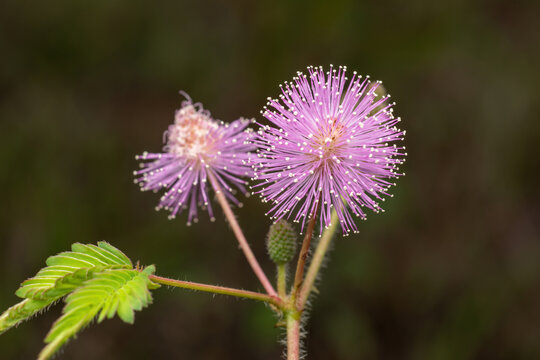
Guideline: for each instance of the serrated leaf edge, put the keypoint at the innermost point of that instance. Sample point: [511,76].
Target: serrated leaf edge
[106,308]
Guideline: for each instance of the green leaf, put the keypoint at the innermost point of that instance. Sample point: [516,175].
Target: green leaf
[116,291]
[99,281]
[70,269]
[20,312]
[64,273]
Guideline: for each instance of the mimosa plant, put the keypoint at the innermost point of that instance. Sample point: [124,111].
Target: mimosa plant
[331,151]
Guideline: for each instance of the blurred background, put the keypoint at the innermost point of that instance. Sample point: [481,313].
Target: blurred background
[451,270]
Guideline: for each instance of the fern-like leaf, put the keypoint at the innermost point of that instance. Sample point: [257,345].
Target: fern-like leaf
[117,291]
[20,312]
[99,282]
[64,273]
[69,269]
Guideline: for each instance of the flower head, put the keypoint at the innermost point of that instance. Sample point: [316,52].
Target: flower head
[332,146]
[197,147]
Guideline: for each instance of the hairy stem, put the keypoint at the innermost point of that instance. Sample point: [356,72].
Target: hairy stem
[282,280]
[293,336]
[316,261]
[217,290]
[303,256]
[240,237]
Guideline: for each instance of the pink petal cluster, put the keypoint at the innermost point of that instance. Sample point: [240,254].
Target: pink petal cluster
[332,144]
[197,147]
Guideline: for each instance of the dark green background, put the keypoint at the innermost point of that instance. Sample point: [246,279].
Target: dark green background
[450,271]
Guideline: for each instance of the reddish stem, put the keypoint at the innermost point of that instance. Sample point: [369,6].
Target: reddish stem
[217,289]
[303,255]
[241,238]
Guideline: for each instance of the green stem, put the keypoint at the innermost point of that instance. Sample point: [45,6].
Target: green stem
[316,261]
[217,290]
[282,280]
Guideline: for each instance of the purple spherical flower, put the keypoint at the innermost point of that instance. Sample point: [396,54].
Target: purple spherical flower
[197,147]
[332,146]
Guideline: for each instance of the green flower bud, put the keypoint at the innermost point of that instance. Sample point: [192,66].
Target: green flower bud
[281,242]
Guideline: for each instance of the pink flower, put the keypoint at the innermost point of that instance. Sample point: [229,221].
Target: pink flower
[332,145]
[196,147]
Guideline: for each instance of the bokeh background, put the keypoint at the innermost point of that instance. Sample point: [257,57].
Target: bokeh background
[451,270]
